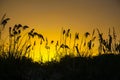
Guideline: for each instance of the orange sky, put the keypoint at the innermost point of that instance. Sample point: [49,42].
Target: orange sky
[49,16]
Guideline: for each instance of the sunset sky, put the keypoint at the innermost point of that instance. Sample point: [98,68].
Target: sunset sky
[49,16]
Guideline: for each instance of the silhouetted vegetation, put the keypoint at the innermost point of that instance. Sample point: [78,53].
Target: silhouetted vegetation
[73,58]
[103,67]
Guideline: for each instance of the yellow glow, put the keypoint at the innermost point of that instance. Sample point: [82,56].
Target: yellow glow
[40,52]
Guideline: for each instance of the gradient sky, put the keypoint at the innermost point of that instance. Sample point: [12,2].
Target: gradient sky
[49,16]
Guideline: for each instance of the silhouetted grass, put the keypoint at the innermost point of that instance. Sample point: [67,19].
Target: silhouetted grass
[16,63]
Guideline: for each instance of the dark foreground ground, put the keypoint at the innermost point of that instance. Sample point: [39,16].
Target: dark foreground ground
[104,67]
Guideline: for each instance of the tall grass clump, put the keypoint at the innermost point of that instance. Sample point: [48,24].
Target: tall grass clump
[109,45]
[3,23]
[19,40]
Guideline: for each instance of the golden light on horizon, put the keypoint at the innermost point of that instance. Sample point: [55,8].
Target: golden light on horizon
[48,51]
